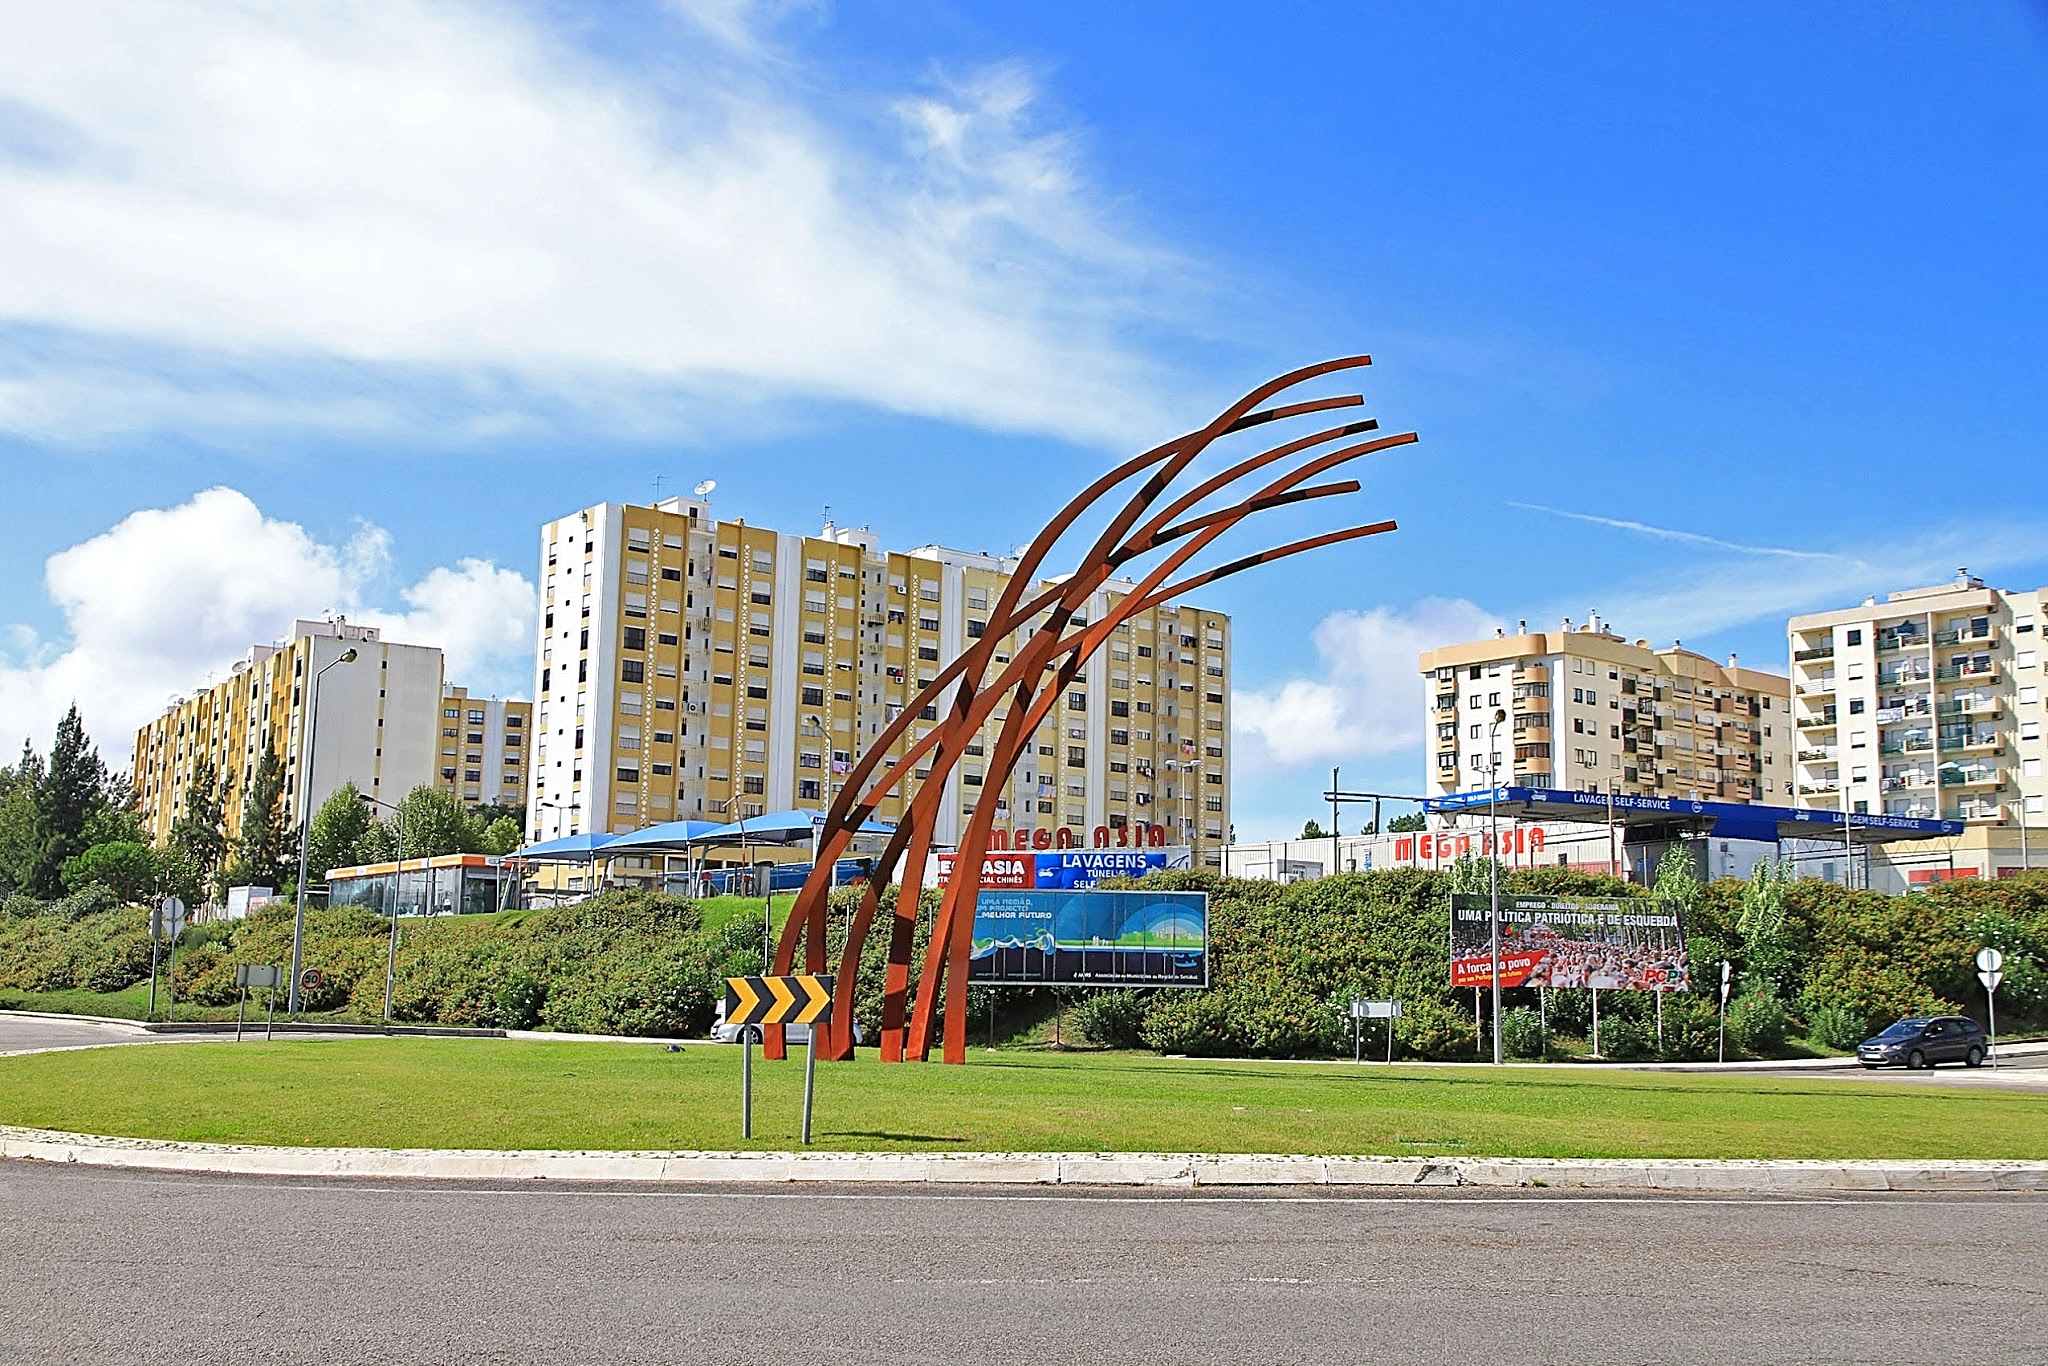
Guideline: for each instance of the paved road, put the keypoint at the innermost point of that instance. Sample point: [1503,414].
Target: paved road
[102,1266]
[2027,1071]
[18,1033]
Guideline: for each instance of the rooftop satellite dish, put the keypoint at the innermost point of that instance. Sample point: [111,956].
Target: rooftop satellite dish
[704,489]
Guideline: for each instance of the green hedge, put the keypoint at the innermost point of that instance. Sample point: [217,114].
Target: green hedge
[1285,962]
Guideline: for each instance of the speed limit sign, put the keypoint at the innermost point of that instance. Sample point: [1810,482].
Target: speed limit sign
[312,979]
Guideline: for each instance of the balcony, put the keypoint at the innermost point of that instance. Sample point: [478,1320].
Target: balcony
[1916,710]
[1820,788]
[1446,703]
[1917,672]
[1919,811]
[1817,754]
[1970,775]
[1819,687]
[1974,811]
[1909,744]
[1906,782]
[1900,640]
[1810,721]
[1962,636]
[1970,739]
[1968,706]
[1817,652]
[1981,668]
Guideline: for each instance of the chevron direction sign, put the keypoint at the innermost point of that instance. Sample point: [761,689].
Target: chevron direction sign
[804,999]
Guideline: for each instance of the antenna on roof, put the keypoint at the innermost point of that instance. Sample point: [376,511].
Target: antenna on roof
[703,490]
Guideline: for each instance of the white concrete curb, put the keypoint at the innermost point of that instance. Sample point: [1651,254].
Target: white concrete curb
[1075,1169]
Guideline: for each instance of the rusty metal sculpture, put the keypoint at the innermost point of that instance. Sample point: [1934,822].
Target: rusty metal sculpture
[1032,684]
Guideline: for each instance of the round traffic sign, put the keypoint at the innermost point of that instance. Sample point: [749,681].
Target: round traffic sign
[1990,960]
[312,979]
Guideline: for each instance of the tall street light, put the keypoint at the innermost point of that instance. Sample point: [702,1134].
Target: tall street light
[306,752]
[397,891]
[1493,862]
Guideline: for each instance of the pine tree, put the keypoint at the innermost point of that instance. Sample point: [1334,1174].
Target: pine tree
[18,818]
[72,792]
[197,835]
[264,847]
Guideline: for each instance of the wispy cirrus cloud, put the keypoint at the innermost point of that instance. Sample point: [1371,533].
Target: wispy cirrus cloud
[1671,534]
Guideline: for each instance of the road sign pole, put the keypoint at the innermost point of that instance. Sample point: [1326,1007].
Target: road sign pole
[1989,961]
[1357,1038]
[746,1084]
[810,1080]
[240,1006]
[271,1022]
[1390,1041]
[154,922]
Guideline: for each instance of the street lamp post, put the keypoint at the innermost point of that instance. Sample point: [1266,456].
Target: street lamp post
[1493,862]
[397,891]
[305,795]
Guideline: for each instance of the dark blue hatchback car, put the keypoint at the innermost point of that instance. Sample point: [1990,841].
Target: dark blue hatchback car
[1925,1041]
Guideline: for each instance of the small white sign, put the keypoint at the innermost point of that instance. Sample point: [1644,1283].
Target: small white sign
[1990,960]
[1990,979]
[169,920]
[1375,1010]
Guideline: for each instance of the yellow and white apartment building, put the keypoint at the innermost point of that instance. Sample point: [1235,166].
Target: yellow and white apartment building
[1930,703]
[482,755]
[1589,711]
[377,718]
[691,668]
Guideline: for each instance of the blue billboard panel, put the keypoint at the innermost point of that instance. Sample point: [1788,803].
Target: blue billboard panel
[1075,869]
[1091,938]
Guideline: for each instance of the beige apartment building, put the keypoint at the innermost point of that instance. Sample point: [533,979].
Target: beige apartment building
[1929,704]
[692,668]
[1590,711]
[376,724]
[481,758]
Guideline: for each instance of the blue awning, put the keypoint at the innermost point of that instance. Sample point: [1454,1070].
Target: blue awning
[1727,820]
[670,837]
[567,849]
[794,826]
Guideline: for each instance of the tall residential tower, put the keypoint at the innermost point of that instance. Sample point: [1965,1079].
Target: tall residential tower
[695,668]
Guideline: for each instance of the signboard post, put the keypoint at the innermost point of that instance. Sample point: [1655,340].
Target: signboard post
[1990,965]
[1727,970]
[166,921]
[1363,1010]
[257,975]
[804,1000]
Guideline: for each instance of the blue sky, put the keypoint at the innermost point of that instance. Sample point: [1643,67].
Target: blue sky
[1705,314]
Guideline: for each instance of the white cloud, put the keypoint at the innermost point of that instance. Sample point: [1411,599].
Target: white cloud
[171,597]
[1366,700]
[280,201]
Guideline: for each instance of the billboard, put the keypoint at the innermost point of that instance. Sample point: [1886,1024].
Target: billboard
[1068,869]
[1090,938]
[1609,943]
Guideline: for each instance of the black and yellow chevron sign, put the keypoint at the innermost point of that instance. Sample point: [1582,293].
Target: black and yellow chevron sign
[778,1000]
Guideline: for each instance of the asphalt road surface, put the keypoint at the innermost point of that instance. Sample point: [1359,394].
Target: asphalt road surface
[2023,1071]
[17,1033]
[109,1266]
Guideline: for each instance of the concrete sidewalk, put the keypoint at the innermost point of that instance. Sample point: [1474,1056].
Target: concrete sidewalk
[1084,1169]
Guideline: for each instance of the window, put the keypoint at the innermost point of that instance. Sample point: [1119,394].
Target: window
[1855,638]
[1077,754]
[753,784]
[632,671]
[1855,709]
[1076,701]
[1859,739]
[2030,695]
[629,775]
[1119,707]
[2023,660]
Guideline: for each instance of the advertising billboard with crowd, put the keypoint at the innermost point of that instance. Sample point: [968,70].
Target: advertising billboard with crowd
[1091,938]
[1606,943]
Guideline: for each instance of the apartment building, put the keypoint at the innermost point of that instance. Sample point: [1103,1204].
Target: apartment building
[1929,704]
[376,724]
[483,748]
[1590,711]
[692,668]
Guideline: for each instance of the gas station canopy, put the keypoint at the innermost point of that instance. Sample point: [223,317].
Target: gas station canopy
[1724,820]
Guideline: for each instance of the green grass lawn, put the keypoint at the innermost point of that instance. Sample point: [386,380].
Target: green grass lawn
[513,1094]
[132,1003]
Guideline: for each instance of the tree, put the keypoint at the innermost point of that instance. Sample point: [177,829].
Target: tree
[1678,884]
[1411,823]
[128,868]
[263,849]
[435,823]
[1371,828]
[197,835]
[18,817]
[502,836]
[1311,831]
[1766,954]
[339,834]
[71,793]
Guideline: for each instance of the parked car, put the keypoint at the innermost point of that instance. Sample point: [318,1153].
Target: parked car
[796,1035]
[1925,1041]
